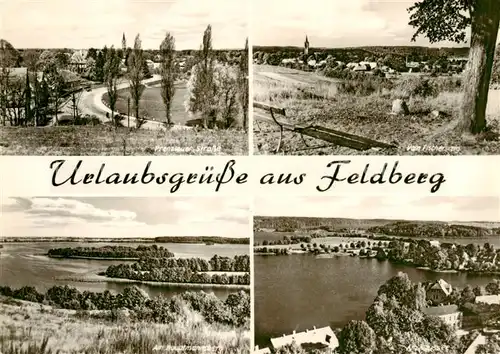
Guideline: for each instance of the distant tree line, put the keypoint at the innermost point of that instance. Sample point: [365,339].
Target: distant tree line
[203,239]
[425,229]
[112,252]
[235,310]
[191,270]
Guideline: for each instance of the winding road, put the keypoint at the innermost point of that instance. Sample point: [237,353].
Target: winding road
[91,104]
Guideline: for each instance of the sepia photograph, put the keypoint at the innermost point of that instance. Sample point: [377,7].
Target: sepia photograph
[124,77]
[377,275]
[376,77]
[124,275]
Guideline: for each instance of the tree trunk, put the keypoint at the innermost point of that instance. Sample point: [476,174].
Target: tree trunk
[137,119]
[169,117]
[484,30]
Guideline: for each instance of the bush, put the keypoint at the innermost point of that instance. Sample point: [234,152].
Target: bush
[416,86]
[366,86]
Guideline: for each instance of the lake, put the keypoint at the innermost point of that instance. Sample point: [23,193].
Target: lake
[301,291]
[24,264]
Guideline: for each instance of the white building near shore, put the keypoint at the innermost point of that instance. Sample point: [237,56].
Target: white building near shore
[322,335]
[258,350]
[488,299]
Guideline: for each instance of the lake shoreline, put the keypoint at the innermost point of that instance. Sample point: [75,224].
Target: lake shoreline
[104,279]
[186,240]
[351,254]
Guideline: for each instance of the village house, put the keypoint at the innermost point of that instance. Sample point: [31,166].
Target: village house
[488,299]
[258,350]
[78,61]
[438,291]
[435,243]
[322,335]
[360,67]
[449,314]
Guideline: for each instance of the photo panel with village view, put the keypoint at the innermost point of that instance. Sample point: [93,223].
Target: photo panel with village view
[377,275]
[371,77]
[129,275]
[124,77]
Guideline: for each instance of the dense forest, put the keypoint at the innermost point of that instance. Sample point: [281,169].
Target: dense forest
[235,310]
[111,252]
[430,229]
[291,224]
[180,270]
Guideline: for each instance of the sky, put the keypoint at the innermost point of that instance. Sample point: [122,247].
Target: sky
[334,23]
[94,23]
[124,217]
[397,207]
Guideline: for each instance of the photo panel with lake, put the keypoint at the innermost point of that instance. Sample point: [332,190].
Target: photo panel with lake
[129,273]
[124,77]
[376,77]
[377,275]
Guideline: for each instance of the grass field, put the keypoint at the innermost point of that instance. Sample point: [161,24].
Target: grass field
[311,99]
[106,140]
[25,326]
[151,105]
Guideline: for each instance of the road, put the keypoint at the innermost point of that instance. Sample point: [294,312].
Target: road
[91,104]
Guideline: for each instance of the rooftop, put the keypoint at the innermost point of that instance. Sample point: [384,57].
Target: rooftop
[441,310]
[258,350]
[442,285]
[488,299]
[322,335]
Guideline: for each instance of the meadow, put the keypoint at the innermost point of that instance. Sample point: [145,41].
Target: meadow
[362,106]
[29,328]
[106,140]
[151,104]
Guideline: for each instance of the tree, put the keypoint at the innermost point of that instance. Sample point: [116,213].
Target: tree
[493,288]
[124,46]
[136,75]
[98,73]
[111,72]
[357,338]
[442,20]
[495,78]
[57,87]
[201,85]
[243,84]
[168,74]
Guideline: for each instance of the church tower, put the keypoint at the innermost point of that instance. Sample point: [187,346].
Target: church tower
[306,47]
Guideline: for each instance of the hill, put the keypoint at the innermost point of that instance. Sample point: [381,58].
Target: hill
[435,229]
[409,228]
[290,224]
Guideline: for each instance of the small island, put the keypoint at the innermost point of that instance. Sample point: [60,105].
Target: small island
[124,253]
